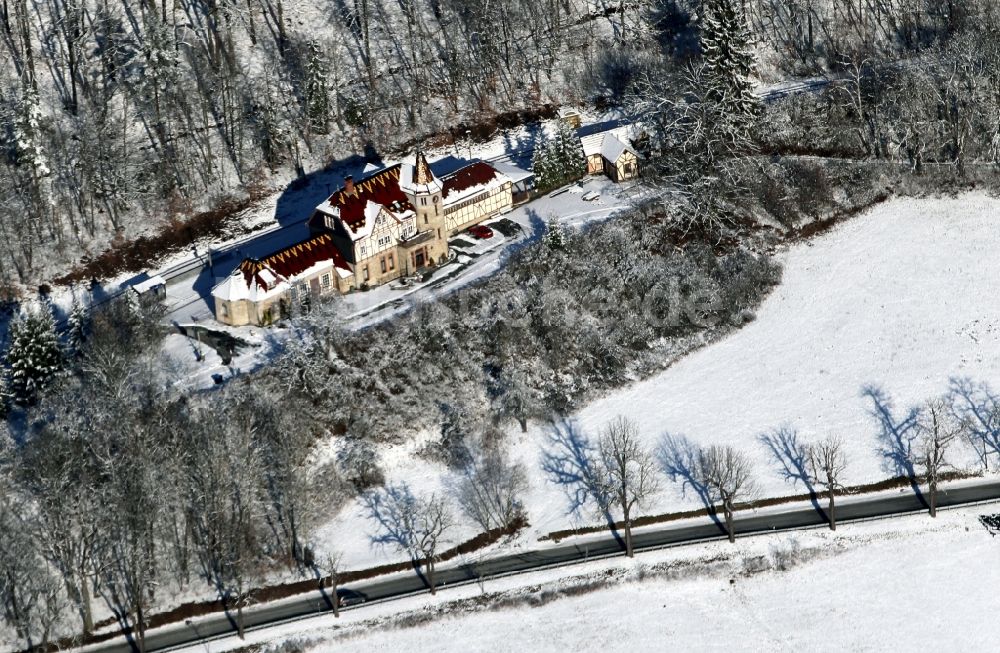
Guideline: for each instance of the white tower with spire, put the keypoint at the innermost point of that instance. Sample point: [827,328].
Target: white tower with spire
[424,191]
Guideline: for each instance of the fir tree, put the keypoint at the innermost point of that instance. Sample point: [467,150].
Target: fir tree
[76,328]
[572,162]
[559,160]
[555,237]
[317,92]
[542,166]
[34,355]
[730,64]
[27,134]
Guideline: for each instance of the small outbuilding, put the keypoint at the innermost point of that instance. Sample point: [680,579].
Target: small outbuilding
[571,117]
[152,289]
[610,154]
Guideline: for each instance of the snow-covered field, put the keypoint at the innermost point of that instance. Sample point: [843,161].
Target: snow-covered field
[908,583]
[901,298]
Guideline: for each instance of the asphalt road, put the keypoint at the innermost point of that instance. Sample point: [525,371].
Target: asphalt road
[747,524]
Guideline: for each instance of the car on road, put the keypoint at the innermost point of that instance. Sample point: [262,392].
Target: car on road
[346,598]
[590,196]
[481,231]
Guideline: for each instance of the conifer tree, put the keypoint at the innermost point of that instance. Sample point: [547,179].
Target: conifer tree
[730,64]
[34,355]
[572,162]
[555,237]
[559,160]
[317,91]
[76,328]
[27,134]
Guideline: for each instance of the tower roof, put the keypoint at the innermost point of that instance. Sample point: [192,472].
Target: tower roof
[418,179]
[422,174]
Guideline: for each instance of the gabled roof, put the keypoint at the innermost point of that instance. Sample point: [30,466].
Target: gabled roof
[609,144]
[479,173]
[257,279]
[381,188]
[251,280]
[299,257]
[612,148]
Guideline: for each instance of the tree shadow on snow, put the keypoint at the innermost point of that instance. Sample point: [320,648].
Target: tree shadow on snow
[979,407]
[896,436]
[569,461]
[678,458]
[393,508]
[790,455]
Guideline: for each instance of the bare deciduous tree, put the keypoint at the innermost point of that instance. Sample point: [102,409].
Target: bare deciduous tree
[827,462]
[489,489]
[411,524]
[728,475]
[629,471]
[938,428]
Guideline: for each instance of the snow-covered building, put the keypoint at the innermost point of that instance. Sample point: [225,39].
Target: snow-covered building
[394,222]
[260,291]
[609,153]
[397,221]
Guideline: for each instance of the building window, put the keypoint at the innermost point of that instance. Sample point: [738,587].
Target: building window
[325,282]
[362,250]
[423,201]
[225,310]
[366,273]
[383,264]
[392,263]
[425,219]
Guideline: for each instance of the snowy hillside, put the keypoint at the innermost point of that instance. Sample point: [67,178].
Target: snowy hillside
[900,299]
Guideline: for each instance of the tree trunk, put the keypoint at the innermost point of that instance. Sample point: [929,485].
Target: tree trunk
[240,630]
[430,574]
[140,628]
[727,509]
[87,613]
[833,515]
[628,533]
[333,590]
[933,493]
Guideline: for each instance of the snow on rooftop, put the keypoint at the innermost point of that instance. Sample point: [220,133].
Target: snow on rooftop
[149,284]
[512,171]
[411,187]
[470,181]
[261,285]
[609,144]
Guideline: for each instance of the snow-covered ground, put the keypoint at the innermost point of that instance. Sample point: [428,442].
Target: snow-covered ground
[901,298]
[899,584]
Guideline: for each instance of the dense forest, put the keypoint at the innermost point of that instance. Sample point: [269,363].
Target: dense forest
[119,490]
[122,117]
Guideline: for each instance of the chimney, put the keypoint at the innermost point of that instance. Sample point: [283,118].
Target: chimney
[349,185]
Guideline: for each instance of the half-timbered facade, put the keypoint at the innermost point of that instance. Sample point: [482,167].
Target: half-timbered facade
[610,154]
[394,222]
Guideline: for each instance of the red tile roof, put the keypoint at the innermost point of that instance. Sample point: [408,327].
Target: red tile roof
[296,259]
[380,188]
[475,174]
